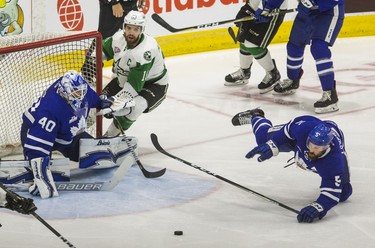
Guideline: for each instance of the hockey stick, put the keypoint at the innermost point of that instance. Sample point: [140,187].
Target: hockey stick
[117,176]
[158,147]
[171,29]
[232,34]
[146,173]
[278,11]
[13,195]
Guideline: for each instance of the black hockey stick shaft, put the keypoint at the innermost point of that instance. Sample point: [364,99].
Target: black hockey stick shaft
[158,147]
[52,230]
[157,18]
[171,29]
[13,195]
[146,173]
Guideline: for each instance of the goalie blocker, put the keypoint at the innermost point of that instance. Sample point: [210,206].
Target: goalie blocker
[46,177]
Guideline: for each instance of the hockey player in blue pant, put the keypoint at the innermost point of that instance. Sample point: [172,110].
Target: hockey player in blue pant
[318,146]
[57,121]
[317,23]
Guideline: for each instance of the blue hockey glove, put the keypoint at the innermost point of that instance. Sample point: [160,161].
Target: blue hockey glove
[262,15]
[107,101]
[266,151]
[310,212]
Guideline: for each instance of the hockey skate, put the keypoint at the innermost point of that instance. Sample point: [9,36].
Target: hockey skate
[269,80]
[328,102]
[238,77]
[287,86]
[244,118]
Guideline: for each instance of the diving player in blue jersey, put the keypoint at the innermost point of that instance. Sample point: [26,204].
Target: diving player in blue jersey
[57,121]
[317,23]
[318,146]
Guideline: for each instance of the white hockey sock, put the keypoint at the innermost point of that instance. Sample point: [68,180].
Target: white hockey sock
[266,62]
[112,130]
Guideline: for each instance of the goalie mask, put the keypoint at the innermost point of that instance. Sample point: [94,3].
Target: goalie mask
[73,88]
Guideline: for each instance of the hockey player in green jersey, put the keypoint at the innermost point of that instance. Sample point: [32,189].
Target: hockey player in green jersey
[139,70]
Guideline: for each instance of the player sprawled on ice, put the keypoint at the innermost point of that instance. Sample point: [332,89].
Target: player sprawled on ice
[15,202]
[139,71]
[318,146]
[57,121]
[254,37]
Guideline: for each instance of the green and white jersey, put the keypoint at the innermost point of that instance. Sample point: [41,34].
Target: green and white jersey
[139,65]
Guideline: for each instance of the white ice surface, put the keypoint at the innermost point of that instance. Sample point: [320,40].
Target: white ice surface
[194,123]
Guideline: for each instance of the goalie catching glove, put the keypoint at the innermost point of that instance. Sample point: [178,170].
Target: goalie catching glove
[115,105]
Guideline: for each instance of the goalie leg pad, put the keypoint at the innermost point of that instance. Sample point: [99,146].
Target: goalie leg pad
[105,152]
[43,185]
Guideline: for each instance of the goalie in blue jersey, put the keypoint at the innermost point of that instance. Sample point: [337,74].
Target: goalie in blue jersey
[57,121]
[318,146]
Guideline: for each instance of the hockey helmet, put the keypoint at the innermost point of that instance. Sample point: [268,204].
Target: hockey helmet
[73,88]
[321,135]
[136,18]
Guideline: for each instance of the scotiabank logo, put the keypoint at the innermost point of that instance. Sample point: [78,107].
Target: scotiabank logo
[70,13]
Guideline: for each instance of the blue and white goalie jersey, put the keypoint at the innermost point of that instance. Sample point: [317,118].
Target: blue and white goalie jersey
[53,123]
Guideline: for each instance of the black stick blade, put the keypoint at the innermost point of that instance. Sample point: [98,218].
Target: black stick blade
[163,23]
[150,174]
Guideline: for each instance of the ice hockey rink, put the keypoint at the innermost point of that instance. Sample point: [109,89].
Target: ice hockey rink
[194,123]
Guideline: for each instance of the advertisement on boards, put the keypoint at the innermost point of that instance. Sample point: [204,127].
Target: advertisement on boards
[15,17]
[83,15]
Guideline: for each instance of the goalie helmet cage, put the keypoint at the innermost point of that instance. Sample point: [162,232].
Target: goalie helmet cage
[29,63]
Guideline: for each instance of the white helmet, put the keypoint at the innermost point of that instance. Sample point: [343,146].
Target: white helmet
[136,18]
[73,88]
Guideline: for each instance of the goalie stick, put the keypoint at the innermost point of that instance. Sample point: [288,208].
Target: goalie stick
[155,142]
[146,173]
[157,18]
[13,195]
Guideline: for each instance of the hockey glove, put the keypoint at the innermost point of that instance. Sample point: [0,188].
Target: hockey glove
[20,204]
[115,106]
[262,15]
[266,151]
[245,11]
[310,212]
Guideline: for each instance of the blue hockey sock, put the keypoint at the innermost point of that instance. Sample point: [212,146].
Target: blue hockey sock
[294,60]
[324,64]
